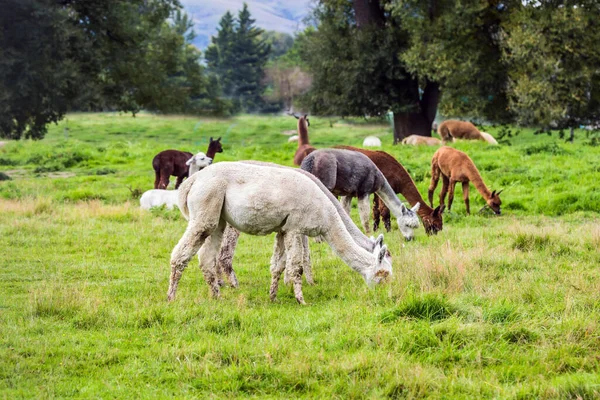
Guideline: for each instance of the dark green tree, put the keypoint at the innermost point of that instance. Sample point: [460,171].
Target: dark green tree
[220,58]
[61,55]
[554,57]
[369,57]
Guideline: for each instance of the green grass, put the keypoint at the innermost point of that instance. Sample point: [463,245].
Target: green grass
[492,307]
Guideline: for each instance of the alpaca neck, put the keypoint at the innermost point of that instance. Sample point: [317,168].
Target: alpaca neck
[387,195]
[344,246]
[193,169]
[476,180]
[211,152]
[410,192]
[302,132]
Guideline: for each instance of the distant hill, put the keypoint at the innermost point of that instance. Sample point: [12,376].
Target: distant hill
[272,15]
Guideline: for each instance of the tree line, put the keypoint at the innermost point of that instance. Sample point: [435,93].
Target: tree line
[502,61]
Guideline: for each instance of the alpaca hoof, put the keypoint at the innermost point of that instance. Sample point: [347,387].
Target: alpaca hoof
[301,301]
[310,281]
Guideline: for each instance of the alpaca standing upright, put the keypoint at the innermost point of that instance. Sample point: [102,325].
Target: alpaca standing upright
[234,193]
[169,163]
[352,174]
[455,166]
[304,147]
[401,182]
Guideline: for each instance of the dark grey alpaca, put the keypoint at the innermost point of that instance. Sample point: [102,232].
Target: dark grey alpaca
[351,174]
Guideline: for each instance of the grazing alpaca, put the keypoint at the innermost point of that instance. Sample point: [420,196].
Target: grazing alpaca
[234,193]
[401,182]
[455,166]
[352,174]
[231,235]
[462,130]
[417,140]
[173,163]
[304,147]
[372,141]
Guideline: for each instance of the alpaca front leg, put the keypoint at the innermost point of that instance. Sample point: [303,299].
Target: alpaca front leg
[465,188]
[188,245]
[208,259]
[451,193]
[364,212]
[435,177]
[306,263]
[346,203]
[179,181]
[445,184]
[277,264]
[376,212]
[293,252]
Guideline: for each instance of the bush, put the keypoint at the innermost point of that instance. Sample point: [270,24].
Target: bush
[428,307]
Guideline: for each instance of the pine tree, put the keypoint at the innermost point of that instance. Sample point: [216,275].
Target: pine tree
[219,55]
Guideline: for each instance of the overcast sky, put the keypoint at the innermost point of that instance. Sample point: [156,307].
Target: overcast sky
[273,15]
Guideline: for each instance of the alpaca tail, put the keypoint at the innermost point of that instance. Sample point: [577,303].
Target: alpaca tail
[184,191]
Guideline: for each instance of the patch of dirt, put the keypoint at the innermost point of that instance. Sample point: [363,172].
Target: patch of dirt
[2,143]
[60,174]
[289,133]
[15,173]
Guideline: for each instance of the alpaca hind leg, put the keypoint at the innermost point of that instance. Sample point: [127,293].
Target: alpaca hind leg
[445,184]
[165,175]
[277,265]
[375,212]
[451,193]
[293,253]
[435,177]
[385,215]
[346,203]
[364,211]
[179,181]
[156,178]
[189,244]
[225,258]
[208,259]
[465,188]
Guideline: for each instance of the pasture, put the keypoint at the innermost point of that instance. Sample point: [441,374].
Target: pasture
[492,307]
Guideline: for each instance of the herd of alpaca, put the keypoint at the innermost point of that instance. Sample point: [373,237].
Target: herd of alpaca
[258,198]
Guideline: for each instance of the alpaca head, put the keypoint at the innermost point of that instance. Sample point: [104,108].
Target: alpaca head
[383,265]
[494,202]
[433,222]
[215,145]
[303,120]
[408,221]
[199,161]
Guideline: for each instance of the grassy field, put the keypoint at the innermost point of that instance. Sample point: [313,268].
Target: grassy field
[492,307]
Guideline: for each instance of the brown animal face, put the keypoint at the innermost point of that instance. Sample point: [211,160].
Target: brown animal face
[494,202]
[215,145]
[433,223]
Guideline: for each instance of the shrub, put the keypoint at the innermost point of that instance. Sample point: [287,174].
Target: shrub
[428,307]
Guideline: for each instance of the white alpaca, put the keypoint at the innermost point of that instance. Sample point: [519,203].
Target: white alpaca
[488,138]
[371,141]
[417,140]
[293,138]
[259,200]
[198,162]
[159,197]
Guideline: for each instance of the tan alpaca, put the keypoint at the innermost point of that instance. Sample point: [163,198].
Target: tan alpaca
[304,146]
[462,130]
[259,200]
[455,166]
[417,140]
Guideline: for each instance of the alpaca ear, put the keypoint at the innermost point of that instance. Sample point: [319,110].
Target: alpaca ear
[297,117]
[498,194]
[190,161]
[210,140]
[436,211]
[416,207]
[493,193]
[382,253]
[218,139]
[403,208]
[379,240]
[442,208]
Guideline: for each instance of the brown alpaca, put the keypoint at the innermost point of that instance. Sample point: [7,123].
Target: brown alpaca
[455,166]
[401,182]
[169,163]
[304,147]
[417,140]
[462,130]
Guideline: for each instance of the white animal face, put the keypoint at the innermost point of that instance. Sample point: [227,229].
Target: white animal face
[200,160]
[383,266]
[409,221]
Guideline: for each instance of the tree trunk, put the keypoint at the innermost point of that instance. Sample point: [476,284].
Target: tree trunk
[406,124]
[571,135]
